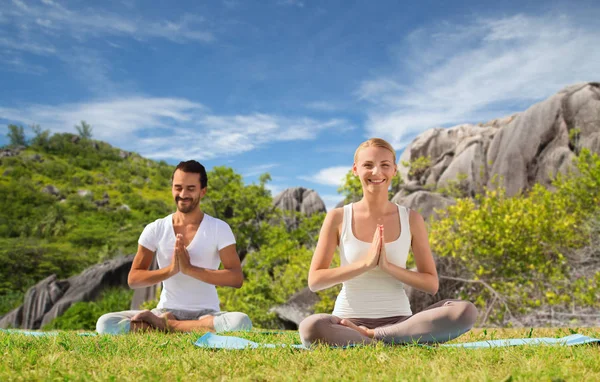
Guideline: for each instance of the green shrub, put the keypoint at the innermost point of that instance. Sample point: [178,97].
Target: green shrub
[517,245]
[83,315]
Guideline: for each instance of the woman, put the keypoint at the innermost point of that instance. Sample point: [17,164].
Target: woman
[374,237]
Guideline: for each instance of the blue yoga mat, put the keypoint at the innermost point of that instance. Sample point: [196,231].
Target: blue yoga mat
[574,339]
[34,333]
[214,341]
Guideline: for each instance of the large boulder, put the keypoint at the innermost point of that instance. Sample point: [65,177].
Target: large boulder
[516,151]
[299,199]
[424,202]
[51,297]
[297,308]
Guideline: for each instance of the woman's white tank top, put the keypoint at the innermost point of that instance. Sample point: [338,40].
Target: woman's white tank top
[373,294]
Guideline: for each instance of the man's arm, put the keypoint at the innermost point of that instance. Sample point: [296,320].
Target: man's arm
[141,277]
[231,274]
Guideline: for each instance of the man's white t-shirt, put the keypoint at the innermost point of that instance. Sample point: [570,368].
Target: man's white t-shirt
[181,291]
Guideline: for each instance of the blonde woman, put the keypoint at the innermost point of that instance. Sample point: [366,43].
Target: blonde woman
[374,236]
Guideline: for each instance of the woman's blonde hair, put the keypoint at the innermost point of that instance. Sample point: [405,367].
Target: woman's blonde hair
[375,142]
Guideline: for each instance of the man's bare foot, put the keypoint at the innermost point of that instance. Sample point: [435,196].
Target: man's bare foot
[168,316]
[136,326]
[151,319]
[361,329]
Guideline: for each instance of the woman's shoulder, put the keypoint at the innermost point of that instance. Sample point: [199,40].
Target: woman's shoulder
[413,215]
[335,215]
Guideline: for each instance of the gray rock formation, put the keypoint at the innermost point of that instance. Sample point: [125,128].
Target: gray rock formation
[299,199]
[12,151]
[50,297]
[297,308]
[424,201]
[519,150]
[52,190]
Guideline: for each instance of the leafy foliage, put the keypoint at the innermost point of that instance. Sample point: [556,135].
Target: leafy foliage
[63,208]
[83,315]
[519,245]
[84,129]
[418,166]
[274,273]
[102,197]
[16,135]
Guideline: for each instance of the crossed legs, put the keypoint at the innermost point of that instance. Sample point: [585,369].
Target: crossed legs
[160,320]
[167,322]
[438,323]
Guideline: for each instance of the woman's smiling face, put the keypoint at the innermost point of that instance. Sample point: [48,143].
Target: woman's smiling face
[375,168]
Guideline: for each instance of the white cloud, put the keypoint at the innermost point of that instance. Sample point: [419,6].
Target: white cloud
[275,189]
[478,71]
[258,170]
[293,3]
[171,128]
[324,106]
[16,64]
[330,176]
[29,47]
[34,22]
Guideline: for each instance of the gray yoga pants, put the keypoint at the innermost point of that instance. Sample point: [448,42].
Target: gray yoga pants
[119,322]
[440,322]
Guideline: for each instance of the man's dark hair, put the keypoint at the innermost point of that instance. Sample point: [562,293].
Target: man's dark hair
[193,167]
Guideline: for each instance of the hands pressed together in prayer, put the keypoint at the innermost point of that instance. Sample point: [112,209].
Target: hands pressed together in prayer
[181,258]
[377,255]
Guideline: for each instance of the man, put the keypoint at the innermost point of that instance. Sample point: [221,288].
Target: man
[189,245]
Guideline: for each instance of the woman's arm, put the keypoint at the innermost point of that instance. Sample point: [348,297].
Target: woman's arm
[320,276]
[425,278]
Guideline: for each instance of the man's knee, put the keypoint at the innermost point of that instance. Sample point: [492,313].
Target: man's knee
[113,323]
[232,322]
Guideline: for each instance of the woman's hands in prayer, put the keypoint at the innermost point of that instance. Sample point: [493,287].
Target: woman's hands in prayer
[384,264]
[373,255]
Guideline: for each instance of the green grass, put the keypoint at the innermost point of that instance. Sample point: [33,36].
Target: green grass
[156,356]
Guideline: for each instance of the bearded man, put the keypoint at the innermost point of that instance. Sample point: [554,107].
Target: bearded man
[189,246]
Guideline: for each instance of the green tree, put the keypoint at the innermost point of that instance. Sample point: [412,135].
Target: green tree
[84,130]
[41,137]
[16,135]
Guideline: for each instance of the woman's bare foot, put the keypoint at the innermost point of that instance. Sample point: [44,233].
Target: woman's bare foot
[361,329]
[151,319]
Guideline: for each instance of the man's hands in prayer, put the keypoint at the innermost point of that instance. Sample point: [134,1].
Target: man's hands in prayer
[183,256]
[174,266]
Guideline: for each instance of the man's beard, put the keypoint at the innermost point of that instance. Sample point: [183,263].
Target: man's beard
[191,206]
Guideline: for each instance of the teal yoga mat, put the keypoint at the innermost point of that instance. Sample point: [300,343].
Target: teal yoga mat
[214,341]
[34,333]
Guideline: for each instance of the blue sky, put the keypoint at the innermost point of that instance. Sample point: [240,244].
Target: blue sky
[288,87]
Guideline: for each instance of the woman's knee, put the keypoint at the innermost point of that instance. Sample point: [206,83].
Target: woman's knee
[314,328]
[465,313]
